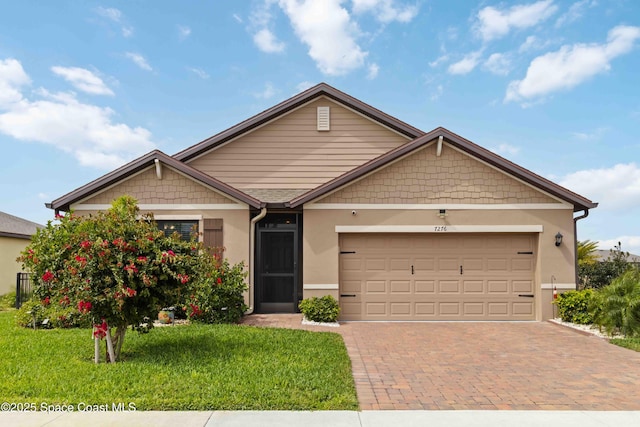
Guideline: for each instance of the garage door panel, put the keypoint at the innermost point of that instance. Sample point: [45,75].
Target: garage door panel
[498,286]
[418,277]
[400,287]
[375,286]
[425,286]
[449,286]
[523,286]
[473,287]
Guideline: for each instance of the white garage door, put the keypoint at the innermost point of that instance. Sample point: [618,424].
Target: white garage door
[437,276]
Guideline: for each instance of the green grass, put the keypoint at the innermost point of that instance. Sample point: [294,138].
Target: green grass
[631,343]
[195,367]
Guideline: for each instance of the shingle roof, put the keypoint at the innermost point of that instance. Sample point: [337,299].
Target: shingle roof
[13,226]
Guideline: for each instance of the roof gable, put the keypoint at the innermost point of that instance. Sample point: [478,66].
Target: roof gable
[488,157]
[292,103]
[423,177]
[136,166]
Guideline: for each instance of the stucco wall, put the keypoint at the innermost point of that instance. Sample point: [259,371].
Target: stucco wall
[10,249]
[321,251]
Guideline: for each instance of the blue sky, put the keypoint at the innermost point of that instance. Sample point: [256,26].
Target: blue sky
[552,85]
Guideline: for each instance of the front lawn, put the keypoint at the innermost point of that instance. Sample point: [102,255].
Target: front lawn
[195,367]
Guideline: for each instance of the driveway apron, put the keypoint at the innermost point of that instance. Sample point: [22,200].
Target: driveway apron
[482,365]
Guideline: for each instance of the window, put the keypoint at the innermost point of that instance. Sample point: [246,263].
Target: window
[185,228]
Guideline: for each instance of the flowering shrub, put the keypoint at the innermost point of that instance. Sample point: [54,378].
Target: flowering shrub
[115,268]
[217,295]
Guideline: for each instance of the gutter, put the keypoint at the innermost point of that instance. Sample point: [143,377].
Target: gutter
[252,256]
[575,241]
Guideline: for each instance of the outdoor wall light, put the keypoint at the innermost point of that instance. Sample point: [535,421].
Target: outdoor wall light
[558,239]
[442,213]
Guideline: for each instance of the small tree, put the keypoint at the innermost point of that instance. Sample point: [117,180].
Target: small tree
[115,267]
[587,252]
[599,274]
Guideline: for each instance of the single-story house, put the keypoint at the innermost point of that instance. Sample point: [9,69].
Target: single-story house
[602,255]
[15,236]
[324,194]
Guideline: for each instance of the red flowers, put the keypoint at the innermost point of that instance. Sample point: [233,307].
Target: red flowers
[64,301]
[131,269]
[219,280]
[127,292]
[184,278]
[118,242]
[85,244]
[84,306]
[100,331]
[47,276]
[46,301]
[82,260]
[195,310]
[130,292]
[142,259]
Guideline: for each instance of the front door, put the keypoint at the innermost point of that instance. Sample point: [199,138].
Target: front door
[277,264]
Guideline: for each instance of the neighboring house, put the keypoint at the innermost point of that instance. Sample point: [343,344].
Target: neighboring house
[324,194]
[602,255]
[15,236]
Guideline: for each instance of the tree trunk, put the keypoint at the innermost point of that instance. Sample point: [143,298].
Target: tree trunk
[120,332]
[110,351]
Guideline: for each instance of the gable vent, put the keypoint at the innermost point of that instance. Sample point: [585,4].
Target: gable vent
[324,122]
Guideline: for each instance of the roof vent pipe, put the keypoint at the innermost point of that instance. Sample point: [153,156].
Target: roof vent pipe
[439,149]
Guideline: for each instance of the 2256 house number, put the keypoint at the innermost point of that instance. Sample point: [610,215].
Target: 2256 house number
[440,228]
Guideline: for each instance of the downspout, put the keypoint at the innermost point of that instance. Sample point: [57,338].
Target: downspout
[252,256]
[575,241]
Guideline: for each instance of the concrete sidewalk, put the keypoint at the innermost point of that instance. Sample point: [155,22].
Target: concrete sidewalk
[323,418]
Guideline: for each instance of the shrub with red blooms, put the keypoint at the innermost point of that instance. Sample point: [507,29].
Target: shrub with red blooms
[116,267]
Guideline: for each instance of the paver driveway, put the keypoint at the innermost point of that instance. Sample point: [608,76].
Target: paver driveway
[492,365]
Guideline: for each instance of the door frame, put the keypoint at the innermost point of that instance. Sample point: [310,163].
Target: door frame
[273,222]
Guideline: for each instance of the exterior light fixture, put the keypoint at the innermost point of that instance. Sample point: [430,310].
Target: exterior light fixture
[558,239]
[442,213]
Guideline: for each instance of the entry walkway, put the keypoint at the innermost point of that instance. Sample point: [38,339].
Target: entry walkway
[482,366]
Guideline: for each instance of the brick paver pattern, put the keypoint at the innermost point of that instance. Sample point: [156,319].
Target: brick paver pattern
[482,365]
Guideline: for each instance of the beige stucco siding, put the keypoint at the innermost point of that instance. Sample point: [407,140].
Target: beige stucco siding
[424,178]
[291,153]
[321,249]
[173,188]
[10,249]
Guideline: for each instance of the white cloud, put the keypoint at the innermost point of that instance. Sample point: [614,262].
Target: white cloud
[466,64]
[267,42]
[110,13]
[498,63]
[373,71]
[12,78]
[439,60]
[83,79]
[199,72]
[494,23]
[267,93]
[139,60]
[385,11]
[327,29]
[506,150]
[183,32]
[86,131]
[116,16]
[533,43]
[575,12]
[571,65]
[614,188]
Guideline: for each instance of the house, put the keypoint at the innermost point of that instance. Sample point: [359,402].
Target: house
[15,236]
[324,194]
[602,255]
